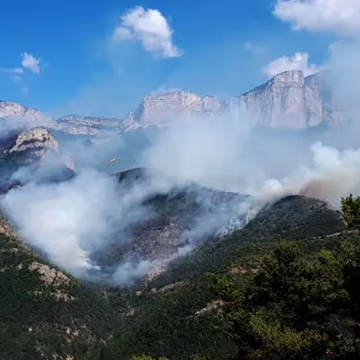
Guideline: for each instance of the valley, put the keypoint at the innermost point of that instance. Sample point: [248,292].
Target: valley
[143,237]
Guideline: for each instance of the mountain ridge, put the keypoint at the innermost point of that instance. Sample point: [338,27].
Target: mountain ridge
[288,100]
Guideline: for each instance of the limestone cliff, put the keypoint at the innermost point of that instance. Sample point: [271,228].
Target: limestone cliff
[88,125]
[23,116]
[27,150]
[163,108]
[289,100]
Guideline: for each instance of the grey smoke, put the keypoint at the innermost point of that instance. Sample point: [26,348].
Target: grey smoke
[71,221]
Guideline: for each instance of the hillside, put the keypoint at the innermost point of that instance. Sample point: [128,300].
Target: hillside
[45,313]
[161,317]
[23,155]
[52,315]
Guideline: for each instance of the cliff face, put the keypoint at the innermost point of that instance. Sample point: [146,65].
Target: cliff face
[24,116]
[27,149]
[31,145]
[88,125]
[289,100]
[161,109]
[36,138]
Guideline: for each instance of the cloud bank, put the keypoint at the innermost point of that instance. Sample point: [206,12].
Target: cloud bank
[341,17]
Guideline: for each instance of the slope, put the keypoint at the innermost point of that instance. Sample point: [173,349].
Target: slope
[45,313]
[161,317]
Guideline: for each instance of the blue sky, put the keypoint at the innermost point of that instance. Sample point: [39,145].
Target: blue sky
[218,47]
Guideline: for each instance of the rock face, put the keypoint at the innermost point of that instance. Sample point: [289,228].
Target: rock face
[36,138]
[25,116]
[28,147]
[161,109]
[87,125]
[27,150]
[289,100]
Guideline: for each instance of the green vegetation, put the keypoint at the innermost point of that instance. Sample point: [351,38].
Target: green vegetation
[249,295]
[350,207]
[44,313]
[291,305]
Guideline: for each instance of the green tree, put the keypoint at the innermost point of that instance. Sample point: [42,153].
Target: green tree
[350,207]
[295,306]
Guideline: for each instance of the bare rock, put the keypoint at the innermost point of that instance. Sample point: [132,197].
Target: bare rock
[25,116]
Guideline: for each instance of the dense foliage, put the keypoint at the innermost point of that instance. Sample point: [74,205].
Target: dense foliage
[244,296]
[45,314]
[350,207]
[291,305]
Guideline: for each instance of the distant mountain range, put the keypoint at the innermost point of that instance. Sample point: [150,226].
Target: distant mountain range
[287,101]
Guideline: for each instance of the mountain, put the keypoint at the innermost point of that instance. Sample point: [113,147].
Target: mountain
[20,116]
[88,125]
[44,312]
[181,298]
[23,156]
[287,101]
[47,314]
[174,219]
[162,108]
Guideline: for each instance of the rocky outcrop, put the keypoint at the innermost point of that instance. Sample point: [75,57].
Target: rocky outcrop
[22,116]
[36,138]
[278,103]
[26,151]
[163,108]
[289,100]
[88,125]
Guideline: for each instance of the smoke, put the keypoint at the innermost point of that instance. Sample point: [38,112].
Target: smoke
[332,174]
[82,221]
[69,221]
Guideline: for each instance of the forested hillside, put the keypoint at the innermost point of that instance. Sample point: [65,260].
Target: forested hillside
[249,295]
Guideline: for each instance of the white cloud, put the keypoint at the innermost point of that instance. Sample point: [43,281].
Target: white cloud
[299,61]
[30,62]
[341,17]
[149,27]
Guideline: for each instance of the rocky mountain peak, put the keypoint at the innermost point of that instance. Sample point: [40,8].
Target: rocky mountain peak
[88,125]
[22,159]
[36,138]
[24,116]
[289,77]
[289,100]
[160,108]
[10,109]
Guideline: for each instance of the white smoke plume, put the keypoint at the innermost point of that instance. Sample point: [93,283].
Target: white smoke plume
[70,221]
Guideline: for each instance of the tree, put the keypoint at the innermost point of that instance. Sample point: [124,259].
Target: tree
[350,207]
[295,306]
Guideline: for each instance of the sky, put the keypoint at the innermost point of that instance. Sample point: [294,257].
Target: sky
[101,58]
